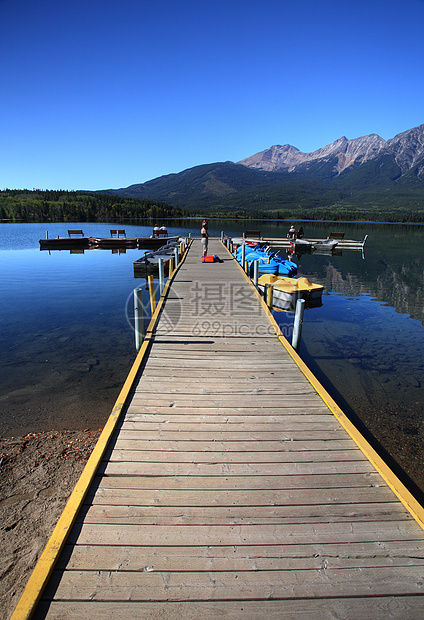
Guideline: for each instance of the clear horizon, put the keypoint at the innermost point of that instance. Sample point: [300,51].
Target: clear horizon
[104,95]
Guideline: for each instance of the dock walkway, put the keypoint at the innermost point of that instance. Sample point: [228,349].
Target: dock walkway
[232,486]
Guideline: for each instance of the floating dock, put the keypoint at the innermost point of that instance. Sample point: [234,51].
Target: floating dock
[284,242]
[228,484]
[343,244]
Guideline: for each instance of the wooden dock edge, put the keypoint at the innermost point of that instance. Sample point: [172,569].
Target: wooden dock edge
[412,505]
[45,565]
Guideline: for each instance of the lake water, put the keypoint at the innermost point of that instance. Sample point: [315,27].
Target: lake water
[67,341]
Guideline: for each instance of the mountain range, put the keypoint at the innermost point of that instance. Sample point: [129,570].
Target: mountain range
[348,176]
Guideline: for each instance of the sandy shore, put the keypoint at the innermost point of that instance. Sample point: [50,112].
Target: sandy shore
[37,474]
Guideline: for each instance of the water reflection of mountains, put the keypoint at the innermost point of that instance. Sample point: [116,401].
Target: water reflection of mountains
[400,286]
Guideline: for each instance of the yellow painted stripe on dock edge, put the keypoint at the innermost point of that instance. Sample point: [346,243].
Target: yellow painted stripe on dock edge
[404,495]
[44,567]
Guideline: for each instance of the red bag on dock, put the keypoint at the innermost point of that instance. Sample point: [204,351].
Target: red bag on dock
[208,259]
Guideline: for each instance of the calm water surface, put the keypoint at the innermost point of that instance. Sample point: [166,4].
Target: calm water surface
[67,343]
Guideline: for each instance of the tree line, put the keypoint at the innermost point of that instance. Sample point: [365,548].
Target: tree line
[67,206]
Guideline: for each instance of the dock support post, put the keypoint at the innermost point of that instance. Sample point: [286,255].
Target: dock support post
[243,254]
[255,272]
[152,292]
[222,236]
[161,275]
[138,317]
[298,322]
[362,247]
[170,266]
[269,295]
[176,256]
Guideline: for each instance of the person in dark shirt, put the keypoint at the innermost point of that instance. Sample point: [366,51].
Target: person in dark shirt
[205,238]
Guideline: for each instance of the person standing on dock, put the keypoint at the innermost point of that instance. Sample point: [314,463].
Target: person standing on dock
[205,237]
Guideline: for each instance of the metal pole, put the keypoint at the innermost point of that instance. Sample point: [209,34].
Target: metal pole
[161,275]
[176,256]
[222,235]
[298,322]
[243,254]
[138,317]
[255,272]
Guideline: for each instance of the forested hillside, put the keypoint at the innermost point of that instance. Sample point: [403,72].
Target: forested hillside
[63,206]
[232,190]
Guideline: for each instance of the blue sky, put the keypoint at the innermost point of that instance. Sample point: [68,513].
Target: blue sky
[99,94]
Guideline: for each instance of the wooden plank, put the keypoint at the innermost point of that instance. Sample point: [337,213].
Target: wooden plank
[305,533]
[232,346]
[242,558]
[226,426]
[323,445]
[334,480]
[227,400]
[237,497]
[228,386]
[306,404]
[210,351]
[144,586]
[211,417]
[159,456]
[307,407]
[377,608]
[232,372]
[134,468]
[241,515]
[262,359]
[284,389]
[233,435]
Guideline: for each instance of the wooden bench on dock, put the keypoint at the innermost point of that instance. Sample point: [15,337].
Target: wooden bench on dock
[252,233]
[75,233]
[118,232]
[337,235]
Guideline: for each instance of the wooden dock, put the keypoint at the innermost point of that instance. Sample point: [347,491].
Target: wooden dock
[232,485]
[284,242]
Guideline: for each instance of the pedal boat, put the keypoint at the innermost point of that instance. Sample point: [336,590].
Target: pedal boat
[286,291]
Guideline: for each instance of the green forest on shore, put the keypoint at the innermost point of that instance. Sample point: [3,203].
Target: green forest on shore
[74,206]
[65,206]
